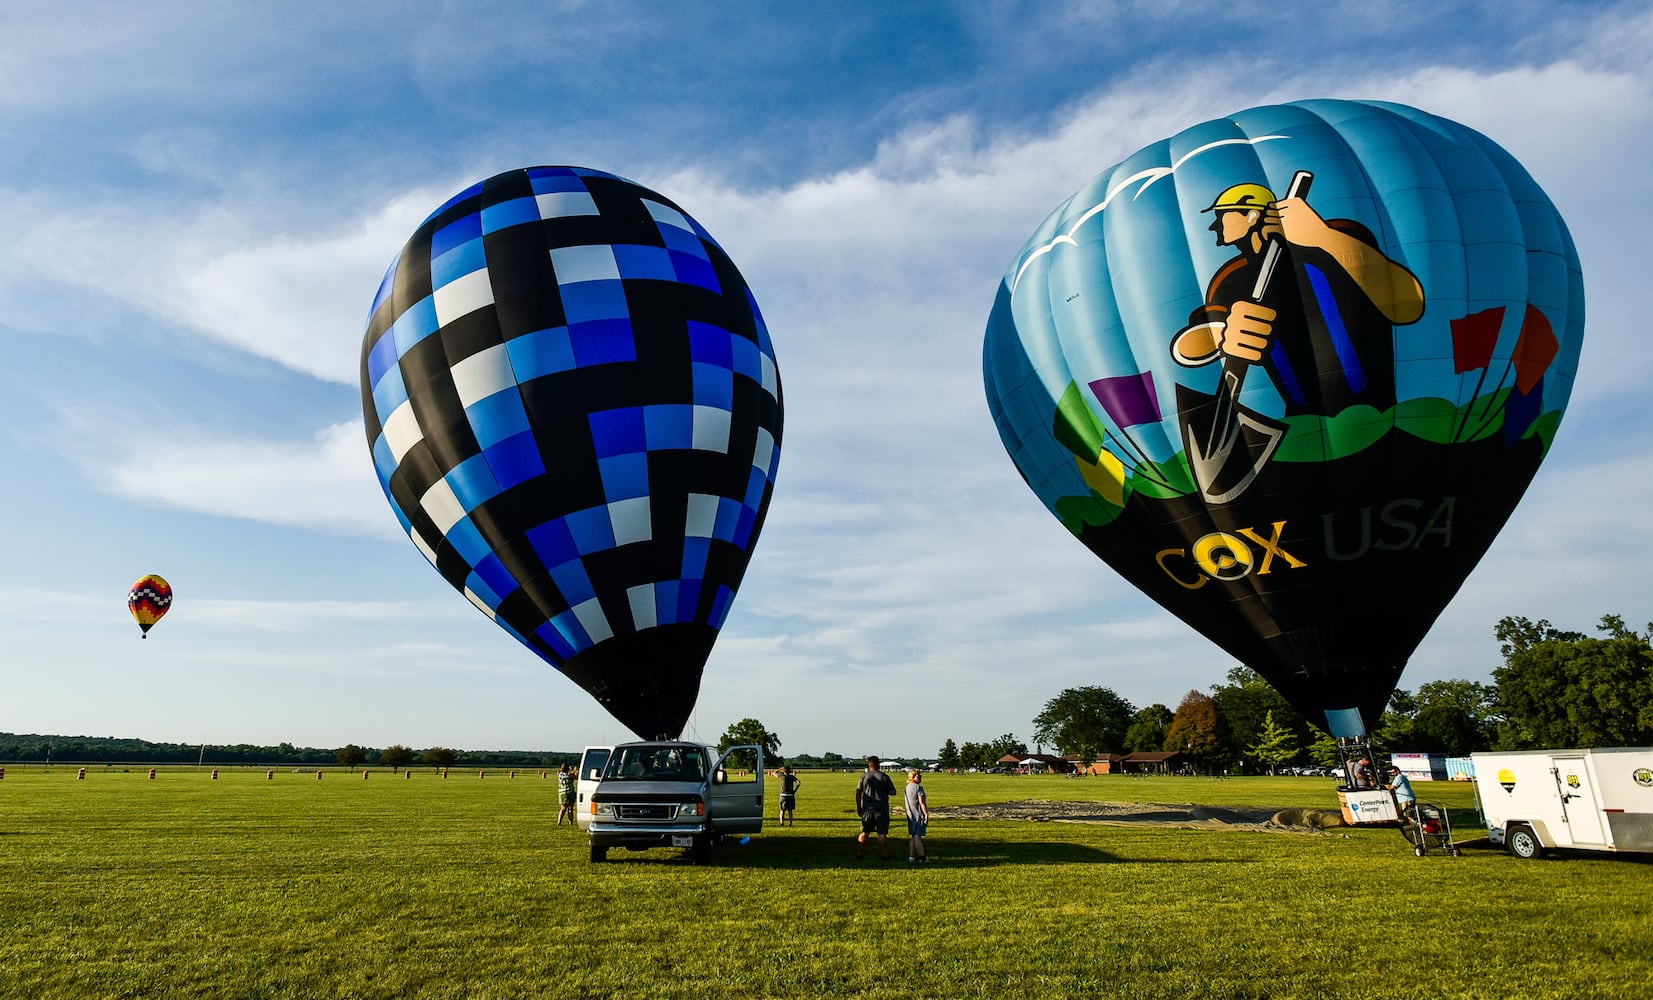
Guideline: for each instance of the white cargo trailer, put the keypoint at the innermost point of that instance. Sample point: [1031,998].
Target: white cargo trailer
[1588,800]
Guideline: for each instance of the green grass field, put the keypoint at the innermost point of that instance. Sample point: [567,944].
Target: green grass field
[185,886]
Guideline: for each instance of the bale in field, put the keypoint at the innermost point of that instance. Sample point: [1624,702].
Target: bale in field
[1317,819]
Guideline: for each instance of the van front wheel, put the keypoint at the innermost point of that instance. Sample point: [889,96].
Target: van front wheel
[598,854]
[702,850]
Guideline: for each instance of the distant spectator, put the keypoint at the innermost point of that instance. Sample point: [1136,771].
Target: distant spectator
[565,795]
[789,795]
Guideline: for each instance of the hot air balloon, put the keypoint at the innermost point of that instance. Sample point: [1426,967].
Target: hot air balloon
[149,600]
[1288,372]
[573,407]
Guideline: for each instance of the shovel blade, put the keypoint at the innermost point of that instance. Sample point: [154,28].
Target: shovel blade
[1225,459]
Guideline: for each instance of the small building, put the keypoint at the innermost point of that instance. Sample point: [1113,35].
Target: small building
[1036,763]
[1102,763]
[1161,762]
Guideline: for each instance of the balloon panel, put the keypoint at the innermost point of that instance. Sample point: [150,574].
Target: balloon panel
[1312,507]
[574,409]
[148,600]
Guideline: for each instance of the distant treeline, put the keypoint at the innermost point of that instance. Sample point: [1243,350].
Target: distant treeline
[30,748]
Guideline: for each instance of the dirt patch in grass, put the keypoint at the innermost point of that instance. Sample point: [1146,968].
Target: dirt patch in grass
[1184,815]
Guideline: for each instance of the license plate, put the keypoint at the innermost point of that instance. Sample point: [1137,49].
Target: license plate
[682,841]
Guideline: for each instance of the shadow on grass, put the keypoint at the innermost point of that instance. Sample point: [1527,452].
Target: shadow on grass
[809,852]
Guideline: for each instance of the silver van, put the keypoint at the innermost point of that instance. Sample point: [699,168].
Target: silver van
[668,793]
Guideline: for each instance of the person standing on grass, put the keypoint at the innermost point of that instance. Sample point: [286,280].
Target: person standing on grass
[789,795]
[565,795]
[872,803]
[1401,785]
[918,816]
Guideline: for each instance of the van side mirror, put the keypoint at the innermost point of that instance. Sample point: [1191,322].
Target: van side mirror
[720,777]
[596,773]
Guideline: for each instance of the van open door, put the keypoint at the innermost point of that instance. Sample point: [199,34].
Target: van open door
[592,762]
[737,790]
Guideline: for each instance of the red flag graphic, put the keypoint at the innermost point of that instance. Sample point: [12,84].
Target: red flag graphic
[1474,337]
[1534,349]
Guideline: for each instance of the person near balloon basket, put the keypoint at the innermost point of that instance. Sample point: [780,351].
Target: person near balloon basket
[1406,800]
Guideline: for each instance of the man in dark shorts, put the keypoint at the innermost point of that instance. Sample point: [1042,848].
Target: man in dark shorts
[872,802]
[789,795]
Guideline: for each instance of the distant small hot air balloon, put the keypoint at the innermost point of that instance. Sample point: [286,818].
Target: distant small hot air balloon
[1295,415]
[148,600]
[574,410]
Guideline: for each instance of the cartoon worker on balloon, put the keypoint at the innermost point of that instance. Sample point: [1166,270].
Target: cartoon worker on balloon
[1321,326]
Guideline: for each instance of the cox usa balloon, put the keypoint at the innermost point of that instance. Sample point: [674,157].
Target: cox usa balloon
[1288,372]
[573,407]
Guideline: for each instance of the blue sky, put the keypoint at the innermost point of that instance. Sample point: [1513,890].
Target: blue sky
[199,202]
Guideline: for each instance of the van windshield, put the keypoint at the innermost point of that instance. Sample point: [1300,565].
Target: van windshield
[656,764]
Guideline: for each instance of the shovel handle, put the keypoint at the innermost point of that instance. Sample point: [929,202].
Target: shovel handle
[1223,424]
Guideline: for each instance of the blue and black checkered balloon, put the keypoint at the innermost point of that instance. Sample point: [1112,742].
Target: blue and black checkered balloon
[574,409]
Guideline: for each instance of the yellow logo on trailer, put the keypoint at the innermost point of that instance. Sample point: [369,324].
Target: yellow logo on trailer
[1506,777]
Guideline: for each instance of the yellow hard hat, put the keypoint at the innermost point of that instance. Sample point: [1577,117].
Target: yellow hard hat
[1241,197]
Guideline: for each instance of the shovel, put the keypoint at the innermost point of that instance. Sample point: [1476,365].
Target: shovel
[1239,441]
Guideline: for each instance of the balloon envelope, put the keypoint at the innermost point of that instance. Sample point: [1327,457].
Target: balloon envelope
[148,600]
[1311,498]
[573,406]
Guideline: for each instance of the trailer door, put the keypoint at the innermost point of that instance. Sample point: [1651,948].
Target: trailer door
[1578,801]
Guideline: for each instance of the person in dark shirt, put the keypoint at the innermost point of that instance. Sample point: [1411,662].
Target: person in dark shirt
[872,803]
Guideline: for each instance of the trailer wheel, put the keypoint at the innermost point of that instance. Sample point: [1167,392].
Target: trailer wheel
[1522,842]
[598,854]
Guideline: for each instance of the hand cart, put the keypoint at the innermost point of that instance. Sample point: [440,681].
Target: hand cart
[1427,828]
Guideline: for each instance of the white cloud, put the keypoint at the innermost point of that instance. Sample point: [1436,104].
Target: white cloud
[326,483]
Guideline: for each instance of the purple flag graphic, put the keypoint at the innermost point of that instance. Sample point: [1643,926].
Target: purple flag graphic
[1128,399]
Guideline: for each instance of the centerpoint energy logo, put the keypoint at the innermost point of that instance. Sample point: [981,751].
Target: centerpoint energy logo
[1506,777]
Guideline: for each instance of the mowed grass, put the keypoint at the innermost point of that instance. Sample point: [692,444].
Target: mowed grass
[185,886]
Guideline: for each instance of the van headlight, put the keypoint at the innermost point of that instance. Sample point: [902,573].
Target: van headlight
[602,810]
[691,809]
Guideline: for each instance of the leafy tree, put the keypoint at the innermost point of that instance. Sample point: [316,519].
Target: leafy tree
[1006,744]
[1148,729]
[395,757]
[440,757]
[350,755]
[1084,719]
[949,755]
[1323,750]
[1246,701]
[1197,731]
[750,731]
[1559,689]
[1275,745]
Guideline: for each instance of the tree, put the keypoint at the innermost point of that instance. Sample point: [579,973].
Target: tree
[1197,731]
[1148,729]
[395,757]
[1006,744]
[440,757]
[1275,745]
[1559,689]
[1246,701]
[1084,719]
[949,755]
[350,755]
[750,731]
